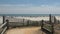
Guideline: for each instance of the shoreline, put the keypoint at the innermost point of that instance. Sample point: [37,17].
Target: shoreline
[45,18]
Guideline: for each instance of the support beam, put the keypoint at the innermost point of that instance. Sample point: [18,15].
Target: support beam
[3,19]
[50,18]
[7,23]
[42,24]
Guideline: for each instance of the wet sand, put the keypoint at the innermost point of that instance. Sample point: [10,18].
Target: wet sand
[25,30]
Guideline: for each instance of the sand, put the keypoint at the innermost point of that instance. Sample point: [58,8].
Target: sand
[25,30]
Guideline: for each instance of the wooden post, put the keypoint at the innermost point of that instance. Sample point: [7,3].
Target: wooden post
[7,23]
[23,22]
[27,22]
[54,20]
[52,28]
[42,25]
[50,18]
[3,19]
[52,23]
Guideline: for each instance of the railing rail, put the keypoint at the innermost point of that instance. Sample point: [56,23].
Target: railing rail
[49,27]
[3,27]
[4,30]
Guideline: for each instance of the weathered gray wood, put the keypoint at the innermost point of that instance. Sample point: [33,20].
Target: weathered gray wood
[2,25]
[51,24]
[3,19]
[47,29]
[4,30]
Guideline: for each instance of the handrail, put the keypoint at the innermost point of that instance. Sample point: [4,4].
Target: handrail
[3,25]
[47,29]
[4,30]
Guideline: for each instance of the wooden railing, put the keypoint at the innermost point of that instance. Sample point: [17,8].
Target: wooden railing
[3,28]
[48,27]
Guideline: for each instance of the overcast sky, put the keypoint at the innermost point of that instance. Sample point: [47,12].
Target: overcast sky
[29,6]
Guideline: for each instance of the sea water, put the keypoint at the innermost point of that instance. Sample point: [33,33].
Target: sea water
[29,14]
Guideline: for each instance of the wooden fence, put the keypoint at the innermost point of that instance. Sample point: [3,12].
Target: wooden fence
[23,24]
[48,27]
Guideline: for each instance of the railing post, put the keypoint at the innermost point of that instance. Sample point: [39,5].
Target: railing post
[7,23]
[52,20]
[27,22]
[52,28]
[3,19]
[42,25]
[23,22]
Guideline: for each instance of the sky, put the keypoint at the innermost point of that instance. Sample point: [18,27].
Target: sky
[29,6]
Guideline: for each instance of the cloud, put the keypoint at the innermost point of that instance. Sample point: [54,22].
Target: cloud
[15,4]
[28,9]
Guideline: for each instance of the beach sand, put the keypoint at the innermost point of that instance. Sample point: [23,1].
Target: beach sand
[25,30]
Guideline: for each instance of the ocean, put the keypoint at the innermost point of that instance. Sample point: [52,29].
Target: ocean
[29,14]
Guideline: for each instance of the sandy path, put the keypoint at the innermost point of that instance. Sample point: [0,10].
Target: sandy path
[26,30]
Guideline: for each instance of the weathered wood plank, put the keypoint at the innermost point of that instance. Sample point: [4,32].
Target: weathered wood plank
[4,30]
[2,25]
